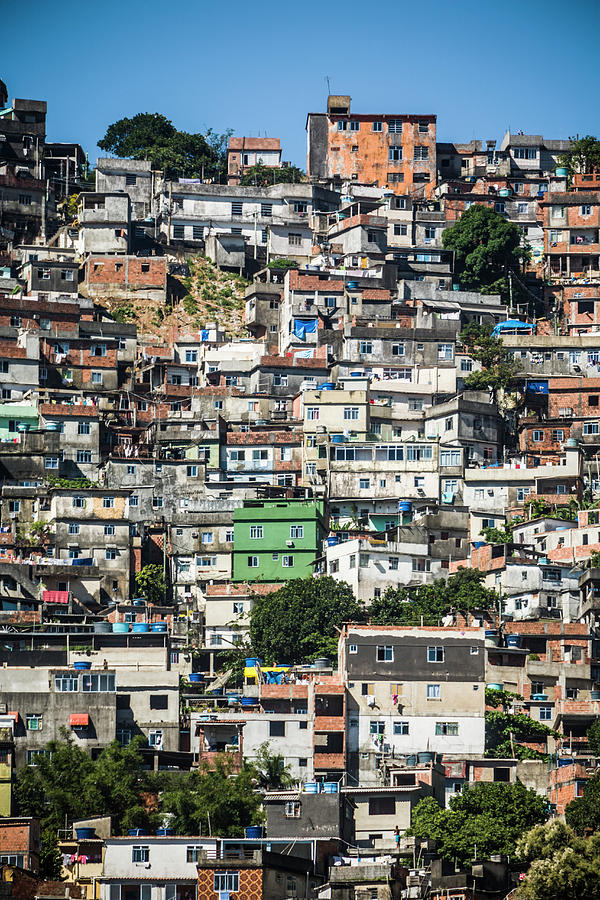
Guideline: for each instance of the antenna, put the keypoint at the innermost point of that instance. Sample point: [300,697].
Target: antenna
[328,84]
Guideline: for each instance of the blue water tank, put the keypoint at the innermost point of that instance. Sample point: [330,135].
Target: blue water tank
[332,541]
[255,831]
[140,627]
[82,664]
[160,627]
[327,386]
[196,677]
[352,285]
[331,787]
[405,506]
[513,640]
[252,661]
[85,834]
[312,787]
[249,701]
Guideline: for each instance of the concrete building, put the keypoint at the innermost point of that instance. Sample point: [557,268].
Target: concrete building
[411,690]
[104,223]
[396,151]
[125,277]
[133,177]
[276,539]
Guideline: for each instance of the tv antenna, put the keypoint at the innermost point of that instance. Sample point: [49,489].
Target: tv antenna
[328,84]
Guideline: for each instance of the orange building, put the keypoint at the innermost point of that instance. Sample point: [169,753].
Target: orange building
[397,151]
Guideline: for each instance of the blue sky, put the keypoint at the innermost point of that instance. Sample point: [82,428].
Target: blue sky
[481,66]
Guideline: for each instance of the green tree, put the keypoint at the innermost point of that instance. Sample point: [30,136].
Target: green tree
[502,535]
[177,153]
[584,812]
[562,866]
[462,592]
[299,621]
[583,156]
[262,176]
[506,735]
[50,857]
[273,774]
[150,582]
[498,368]
[214,800]
[486,247]
[593,735]
[489,817]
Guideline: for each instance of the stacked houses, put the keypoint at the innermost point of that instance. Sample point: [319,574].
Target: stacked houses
[335,436]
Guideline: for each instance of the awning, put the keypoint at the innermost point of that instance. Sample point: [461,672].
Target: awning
[79,719]
[56,596]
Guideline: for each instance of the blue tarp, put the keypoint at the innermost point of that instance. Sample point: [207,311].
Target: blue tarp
[204,334]
[302,327]
[512,325]
[537,387]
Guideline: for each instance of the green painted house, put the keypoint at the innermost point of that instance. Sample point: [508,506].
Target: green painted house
[275,540]
[17,417]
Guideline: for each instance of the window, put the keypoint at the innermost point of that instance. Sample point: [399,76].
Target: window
[98,350]
[253,562]
[446,728]
[256,532]
[79,502]
[98,683]
[366,347]
[558,434]
[445,351]
[351,413]
[109,529]
[15,859]
[140,853]
[382,806]
[193,853]
[277,729]
[83,428]
[108,502]
[25,199]
[15,321]
[292,809]
[96,377]
[586,209]
[433,692]
[84,456]
[401,728]
[377,126]
[537,436]
[228,882]
[395,126]
[376,727]
[178,232]
[237,208]
[352,648]
[435,654]
[395,154]
[429,233]
[110,554]
[287,562]
[51,462]
[421,153]
[266,209]
[296,532]
[525,152]
[522,494]
[66,683]
[588,428]
[134,500]
[367,689]
[545,713]
[312,413]
[364,484]
[34,722]
[500,206]
[385,653]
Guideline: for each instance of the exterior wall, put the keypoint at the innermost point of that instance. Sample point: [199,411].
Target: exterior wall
[115,175]
[348,151]
[126,276]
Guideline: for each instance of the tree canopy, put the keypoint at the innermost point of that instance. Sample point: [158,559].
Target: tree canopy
[498,368]
[486,818]
[262,176]
[563,866]
[486,247]
[463,592]
[178,154]
[584,812]
[150,582]
[298,622]
[583,156]
[213,800]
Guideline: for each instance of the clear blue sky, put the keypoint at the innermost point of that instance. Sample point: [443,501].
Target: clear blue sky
[255,67]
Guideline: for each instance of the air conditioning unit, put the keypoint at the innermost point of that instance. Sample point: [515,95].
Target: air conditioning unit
[289,543]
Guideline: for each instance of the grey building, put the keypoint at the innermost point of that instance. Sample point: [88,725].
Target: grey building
[104,223]
[133,177]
